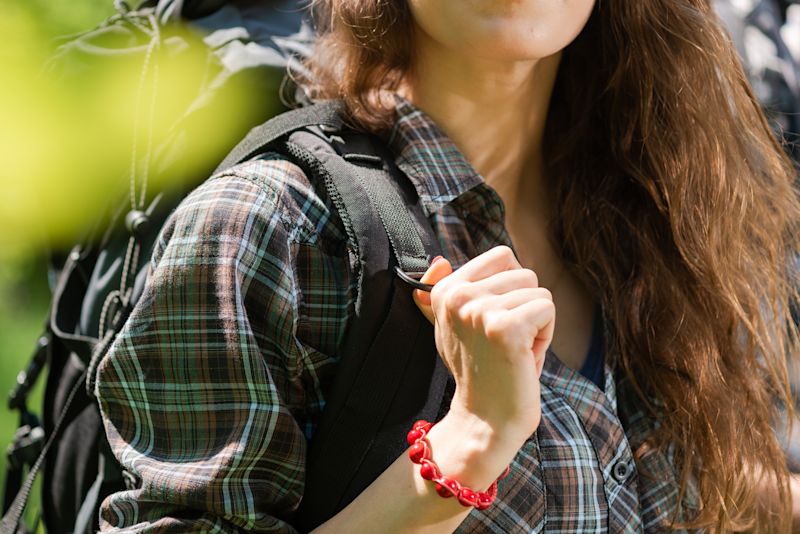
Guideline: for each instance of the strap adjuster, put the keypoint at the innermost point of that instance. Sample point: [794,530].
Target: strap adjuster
[27,444]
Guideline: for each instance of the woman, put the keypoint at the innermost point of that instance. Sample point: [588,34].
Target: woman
[617,146]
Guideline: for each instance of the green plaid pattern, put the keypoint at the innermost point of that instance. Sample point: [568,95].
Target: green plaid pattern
[214,386]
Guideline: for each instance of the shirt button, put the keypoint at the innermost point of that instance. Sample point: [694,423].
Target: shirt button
[621,471]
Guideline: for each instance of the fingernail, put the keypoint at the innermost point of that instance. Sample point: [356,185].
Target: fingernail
[437,258]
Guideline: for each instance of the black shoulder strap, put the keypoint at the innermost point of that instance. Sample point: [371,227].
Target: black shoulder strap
[325,114]
[389,373]
[391,211]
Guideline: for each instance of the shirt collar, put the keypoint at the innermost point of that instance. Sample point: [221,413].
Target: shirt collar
[437,168]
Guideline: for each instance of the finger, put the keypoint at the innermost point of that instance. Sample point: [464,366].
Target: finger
[506,281]
[513,299]
[476,298]
[495,260]
[540,315]
[439,269]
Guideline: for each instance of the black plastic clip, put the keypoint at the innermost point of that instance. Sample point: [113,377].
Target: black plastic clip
[28,376]
[412,279]
[25,449]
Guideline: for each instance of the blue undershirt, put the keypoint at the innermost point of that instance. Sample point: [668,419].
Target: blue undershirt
[593,367]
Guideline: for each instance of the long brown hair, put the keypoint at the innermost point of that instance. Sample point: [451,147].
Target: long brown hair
[674,203]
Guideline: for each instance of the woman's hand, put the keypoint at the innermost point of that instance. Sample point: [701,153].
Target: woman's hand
[493,325]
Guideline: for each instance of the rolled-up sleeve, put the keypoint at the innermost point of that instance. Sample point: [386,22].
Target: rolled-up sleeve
[202,393]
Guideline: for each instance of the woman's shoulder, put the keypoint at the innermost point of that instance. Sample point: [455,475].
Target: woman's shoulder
[287,193]
[263,229]
[264,192]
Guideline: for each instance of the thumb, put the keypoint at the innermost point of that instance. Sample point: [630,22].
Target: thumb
[438,269]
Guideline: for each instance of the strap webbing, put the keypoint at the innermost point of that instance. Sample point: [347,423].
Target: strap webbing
[11,520]
[403,233]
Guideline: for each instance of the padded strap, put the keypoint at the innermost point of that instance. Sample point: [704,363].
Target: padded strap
[393,213]
[402,231]
[259,138]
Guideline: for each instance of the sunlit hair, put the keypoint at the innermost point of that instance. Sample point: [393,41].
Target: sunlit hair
[674,204]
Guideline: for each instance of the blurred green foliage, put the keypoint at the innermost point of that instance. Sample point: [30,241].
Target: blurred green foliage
[74,134]
[57,18]
[28,29]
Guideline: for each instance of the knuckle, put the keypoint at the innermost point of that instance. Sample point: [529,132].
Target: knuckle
[530,277]
[505,252]
[467,314]
[456,298]
[438,291]
[495,327]
[547,309]
[546,294]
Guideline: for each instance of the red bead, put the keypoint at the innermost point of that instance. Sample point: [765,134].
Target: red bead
[414,436]
[418,452]
[447,487]
[467,497]
[505,473]
[429,470]
[443,491]
[485,500]
[422,424]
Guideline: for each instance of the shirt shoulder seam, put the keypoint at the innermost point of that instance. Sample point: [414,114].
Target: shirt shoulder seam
[296,227]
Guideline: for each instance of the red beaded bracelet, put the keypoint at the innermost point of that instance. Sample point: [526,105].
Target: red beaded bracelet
[420,453]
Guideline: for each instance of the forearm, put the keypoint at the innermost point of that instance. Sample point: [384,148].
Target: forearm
[400,500]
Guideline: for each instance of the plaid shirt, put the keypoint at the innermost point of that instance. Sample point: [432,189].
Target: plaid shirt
[214,386]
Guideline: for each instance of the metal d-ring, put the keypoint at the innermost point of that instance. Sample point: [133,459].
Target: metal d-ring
[409,279]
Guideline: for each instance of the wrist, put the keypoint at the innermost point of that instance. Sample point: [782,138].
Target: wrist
[470,449]
[509,423]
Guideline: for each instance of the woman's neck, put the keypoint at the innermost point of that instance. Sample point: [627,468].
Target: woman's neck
[494,112]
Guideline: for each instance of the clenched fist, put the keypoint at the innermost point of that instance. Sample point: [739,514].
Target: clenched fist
[493,325]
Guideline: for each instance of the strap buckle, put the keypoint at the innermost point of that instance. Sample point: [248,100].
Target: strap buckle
[25,449]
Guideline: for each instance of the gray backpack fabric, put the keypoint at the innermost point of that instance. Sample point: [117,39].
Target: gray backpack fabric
[758,28]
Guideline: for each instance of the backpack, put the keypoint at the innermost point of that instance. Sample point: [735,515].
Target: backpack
[246,48]
[389,374]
